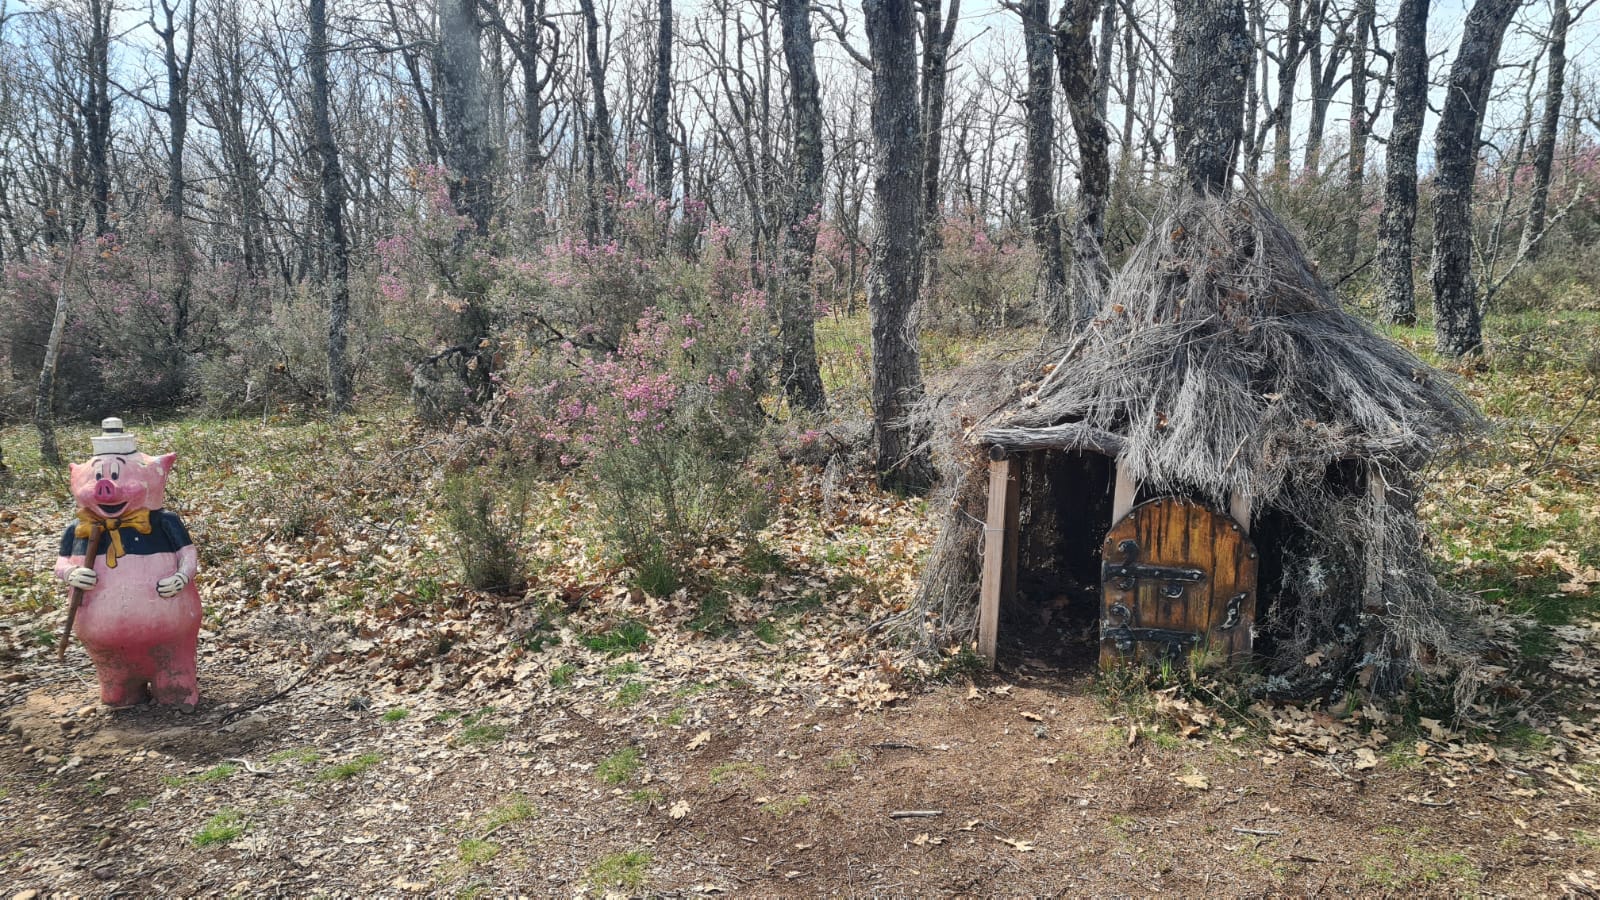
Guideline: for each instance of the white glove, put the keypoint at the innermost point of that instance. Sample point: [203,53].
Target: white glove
[82,578]
[171,585]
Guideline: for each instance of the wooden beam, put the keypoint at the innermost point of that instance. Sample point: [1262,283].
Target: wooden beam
[999,559]
[1239,507]
[1127,490]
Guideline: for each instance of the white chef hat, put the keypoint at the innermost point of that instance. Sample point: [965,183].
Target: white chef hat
[112,439]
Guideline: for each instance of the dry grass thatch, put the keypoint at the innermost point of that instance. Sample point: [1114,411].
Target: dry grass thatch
[1219,364]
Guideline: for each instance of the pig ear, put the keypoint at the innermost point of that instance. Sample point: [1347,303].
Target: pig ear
[164,463]
[75,470]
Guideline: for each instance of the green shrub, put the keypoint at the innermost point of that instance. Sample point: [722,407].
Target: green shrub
[487,511]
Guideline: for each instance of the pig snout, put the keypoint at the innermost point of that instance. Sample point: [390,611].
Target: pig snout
[105,491]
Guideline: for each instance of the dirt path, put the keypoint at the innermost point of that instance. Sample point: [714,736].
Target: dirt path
[701,787]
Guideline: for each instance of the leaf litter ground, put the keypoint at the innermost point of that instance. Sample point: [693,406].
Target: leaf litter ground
[371,728]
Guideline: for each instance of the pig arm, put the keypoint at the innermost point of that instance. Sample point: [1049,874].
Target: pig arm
[188,558]
[71,554]
[188,563]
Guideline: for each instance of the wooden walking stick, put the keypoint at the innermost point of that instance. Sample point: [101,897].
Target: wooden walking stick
[76,597]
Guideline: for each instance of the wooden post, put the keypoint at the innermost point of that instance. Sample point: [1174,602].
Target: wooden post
[999,548]
[1122,500]
[1239,507]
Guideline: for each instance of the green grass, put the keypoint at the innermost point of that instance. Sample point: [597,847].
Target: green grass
[501,816]
[736,769]
[625,637]
[299,755]
[628,695]
[220,828]
[479,735]
[397,714]
[842,761]
[219,772]
[473,851]
[624,870]
[347,770]
[619,767]
[782,808]
[647,796]
[138,803]
[562,675]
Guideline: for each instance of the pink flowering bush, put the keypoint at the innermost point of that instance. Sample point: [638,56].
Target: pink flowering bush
[662,429]
[985,279]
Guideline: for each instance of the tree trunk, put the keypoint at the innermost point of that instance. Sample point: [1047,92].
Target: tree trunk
[1050,286]
[892,287]
[1396,228]
[97,113]
[1356,162]
[1544,152]
[1457,321]
[1210,68]
[464,112]
[802,381]
[602,145]
[44,413]
[533,158]
[335,244]
[936,38]
[1291,52]
[661,103]
[1080,84]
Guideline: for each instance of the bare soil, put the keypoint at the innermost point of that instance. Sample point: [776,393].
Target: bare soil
[1023,785]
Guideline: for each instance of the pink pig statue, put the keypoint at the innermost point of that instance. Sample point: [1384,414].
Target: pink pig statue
[140,613]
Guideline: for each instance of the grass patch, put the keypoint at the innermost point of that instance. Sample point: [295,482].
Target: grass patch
[628,695]
[625,637]
[561,676]
[842,761]
[474,850]
[298,754]
[631,667]
[501,816]
[784,807]
[624,870]
[480,735]
[647,796]
[397,714]
[349,769]
[216,773]
[619,767]
[736,769]
[220,828]
[138,803]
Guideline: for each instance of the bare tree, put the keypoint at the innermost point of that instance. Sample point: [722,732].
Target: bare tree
[661,102]
[1050,285]
[1544,152]
[336,246]
[1457,321]
[936,38]
[1084,87]
[1395,231]
[798,372]
[600,143]
[894,280]
[464,112]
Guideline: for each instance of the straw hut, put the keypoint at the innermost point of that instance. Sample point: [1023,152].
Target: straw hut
[1221,466]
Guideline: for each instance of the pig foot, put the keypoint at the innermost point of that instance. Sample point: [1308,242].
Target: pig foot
[179,689]
[124,693]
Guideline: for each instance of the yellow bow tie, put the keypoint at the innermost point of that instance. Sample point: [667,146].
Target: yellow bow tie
[138,520]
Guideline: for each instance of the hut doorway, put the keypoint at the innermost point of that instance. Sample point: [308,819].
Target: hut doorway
[1074,573]
[1049,511]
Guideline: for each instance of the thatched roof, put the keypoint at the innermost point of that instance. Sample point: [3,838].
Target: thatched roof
[1219,362]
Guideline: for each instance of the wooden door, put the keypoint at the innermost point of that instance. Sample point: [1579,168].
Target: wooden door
[1176,577]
